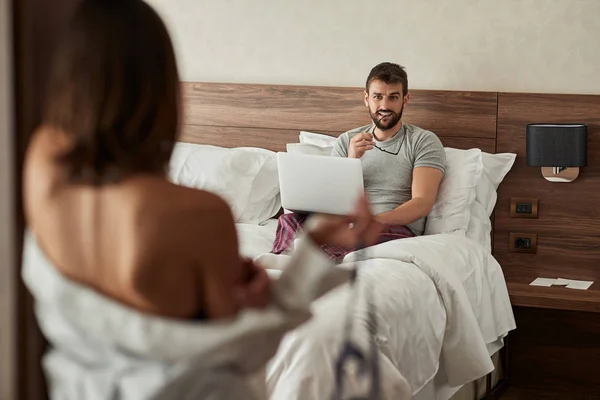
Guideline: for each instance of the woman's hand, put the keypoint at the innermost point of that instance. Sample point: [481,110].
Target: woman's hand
[255,289]
[359,228]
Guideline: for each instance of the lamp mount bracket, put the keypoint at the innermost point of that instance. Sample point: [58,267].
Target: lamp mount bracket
[560,174]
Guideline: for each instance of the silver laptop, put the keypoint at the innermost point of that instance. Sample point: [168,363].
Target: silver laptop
[321,184]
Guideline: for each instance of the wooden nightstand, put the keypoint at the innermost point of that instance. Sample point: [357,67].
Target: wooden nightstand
[555,298]
[556,345]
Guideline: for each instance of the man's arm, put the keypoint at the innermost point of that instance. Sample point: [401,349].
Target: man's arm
[425,184]
[340,148]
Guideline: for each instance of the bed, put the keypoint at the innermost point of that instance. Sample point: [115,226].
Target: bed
[442,304]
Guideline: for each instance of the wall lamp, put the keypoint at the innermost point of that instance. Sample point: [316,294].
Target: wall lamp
[560,149]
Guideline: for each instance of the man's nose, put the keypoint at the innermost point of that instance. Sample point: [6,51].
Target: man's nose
[385,102]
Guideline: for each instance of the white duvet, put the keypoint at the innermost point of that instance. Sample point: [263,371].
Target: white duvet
[441,302]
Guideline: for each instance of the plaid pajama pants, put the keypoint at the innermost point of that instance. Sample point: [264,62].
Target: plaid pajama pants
[289,225]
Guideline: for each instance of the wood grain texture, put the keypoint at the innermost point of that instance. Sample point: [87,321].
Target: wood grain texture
[457,114]
[227,136]
[485,144]
[555,298]
[555,344]
[556,350]
[276,139]
[568,224]
[517,393]
[273,106]
[454,113]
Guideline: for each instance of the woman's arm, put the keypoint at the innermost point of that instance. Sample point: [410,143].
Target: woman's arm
[220,267]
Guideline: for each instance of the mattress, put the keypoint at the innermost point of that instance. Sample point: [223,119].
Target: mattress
[412,318]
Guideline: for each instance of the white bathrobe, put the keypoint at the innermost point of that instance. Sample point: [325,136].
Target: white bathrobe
[101,349]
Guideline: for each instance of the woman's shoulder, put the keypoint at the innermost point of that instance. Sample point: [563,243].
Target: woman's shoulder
[40,177]
[176,198]
[186,208]
[181,224]
[46,143]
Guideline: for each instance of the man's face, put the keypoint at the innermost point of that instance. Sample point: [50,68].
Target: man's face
[385,103]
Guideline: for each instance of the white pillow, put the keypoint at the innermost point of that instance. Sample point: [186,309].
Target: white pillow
[264,201]
[317,139]
[306,148]
[495,168]
[451,211]
[486,194]
[480,226]
[246,178]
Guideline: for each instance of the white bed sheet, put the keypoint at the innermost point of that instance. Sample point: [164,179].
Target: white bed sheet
[411,315]
[256,239]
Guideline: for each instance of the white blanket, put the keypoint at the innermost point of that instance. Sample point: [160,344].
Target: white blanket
[441,299]
[101,349]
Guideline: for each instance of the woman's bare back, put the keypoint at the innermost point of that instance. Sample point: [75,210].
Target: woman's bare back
[144,241]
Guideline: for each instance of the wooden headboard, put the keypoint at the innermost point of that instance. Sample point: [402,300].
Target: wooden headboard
[555,344]
[568,227]
[270,116]
[568,224]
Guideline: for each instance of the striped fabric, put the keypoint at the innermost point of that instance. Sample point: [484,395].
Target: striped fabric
[290,225]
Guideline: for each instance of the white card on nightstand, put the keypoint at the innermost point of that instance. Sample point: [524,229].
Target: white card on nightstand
[543,282]
[581,285]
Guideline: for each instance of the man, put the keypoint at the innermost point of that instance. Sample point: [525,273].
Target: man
[403,165]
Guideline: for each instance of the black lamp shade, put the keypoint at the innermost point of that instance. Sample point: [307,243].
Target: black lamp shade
[556,145]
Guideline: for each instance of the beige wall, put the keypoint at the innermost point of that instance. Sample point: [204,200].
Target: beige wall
[496,45]
[7,280]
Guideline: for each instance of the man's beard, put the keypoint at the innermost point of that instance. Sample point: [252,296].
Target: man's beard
[391,121]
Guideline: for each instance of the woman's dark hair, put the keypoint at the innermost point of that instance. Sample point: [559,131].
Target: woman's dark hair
[114,88]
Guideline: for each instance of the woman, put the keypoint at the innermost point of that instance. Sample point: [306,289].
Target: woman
[96,196]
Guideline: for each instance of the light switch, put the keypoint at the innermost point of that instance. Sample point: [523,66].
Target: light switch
[523,208]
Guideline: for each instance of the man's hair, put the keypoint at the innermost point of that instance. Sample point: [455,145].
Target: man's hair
[389,73]
[114,89]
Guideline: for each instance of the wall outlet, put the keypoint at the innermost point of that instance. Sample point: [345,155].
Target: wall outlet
[523,208]
[522,242]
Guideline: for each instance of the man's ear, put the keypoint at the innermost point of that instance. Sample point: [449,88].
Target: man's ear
[406,99]
[366,98]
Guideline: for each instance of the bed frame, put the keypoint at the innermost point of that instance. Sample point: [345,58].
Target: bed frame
[270,116]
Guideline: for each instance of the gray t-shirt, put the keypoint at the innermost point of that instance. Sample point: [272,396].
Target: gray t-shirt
[388,177]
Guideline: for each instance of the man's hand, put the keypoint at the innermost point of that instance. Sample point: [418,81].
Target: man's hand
[359,144]
[255,289]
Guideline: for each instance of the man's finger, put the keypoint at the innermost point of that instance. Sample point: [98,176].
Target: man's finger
[362,136]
